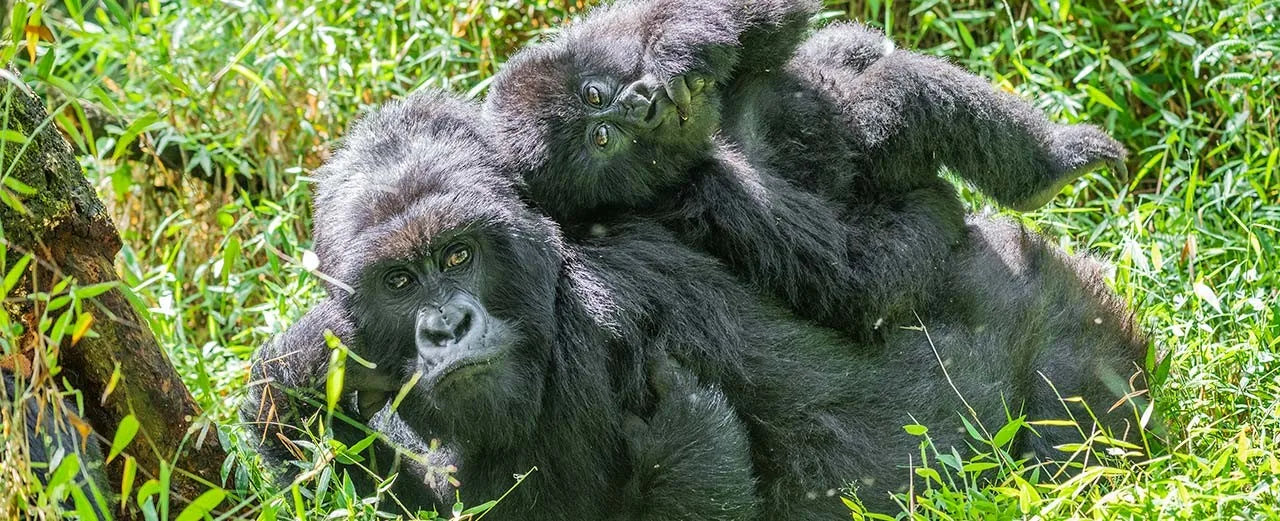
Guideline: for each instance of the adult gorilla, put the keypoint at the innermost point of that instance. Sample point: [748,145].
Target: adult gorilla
[533,352]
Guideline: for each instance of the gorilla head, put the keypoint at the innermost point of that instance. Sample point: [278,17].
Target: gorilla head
[600,116]
[412,221]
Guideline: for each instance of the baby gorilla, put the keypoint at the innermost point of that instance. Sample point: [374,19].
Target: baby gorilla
[516,344]
[526,351]
[823,188]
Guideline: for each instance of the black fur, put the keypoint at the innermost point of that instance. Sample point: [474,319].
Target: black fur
[588,328]
[551,399]
[50,437]
[823,187]
[286,402]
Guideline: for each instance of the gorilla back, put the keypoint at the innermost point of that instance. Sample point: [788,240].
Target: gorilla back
[531,349]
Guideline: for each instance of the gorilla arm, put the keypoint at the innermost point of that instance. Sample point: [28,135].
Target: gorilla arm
[287,388]
[721,41]
[906,114]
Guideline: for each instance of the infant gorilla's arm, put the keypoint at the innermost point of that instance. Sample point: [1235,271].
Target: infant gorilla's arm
[691,42]
[902,115]
[853,121]
[692,446]
[856,270]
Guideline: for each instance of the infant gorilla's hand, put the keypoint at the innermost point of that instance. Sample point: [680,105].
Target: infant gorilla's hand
[673,389]
[682,88]
[668,380]
[691,458]
[1077,150]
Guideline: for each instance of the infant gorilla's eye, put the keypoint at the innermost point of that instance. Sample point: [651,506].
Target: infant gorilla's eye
[593,96]
[601,136]
[457,256]
[397,279]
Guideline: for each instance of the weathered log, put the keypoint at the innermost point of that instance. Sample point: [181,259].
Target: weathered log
[67,229]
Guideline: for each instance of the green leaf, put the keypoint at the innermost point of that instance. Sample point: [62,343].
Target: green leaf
[130,134]
[124,435]
[15,273]
[18,186]
[1006,433]
[335,379]
[84,508]
[229,256]
[203,505]
[928,473]
[298,505]
[270,511]
[12,136]
[979,466]
[1101,98]
[127,476]
[88,292]
[480,508]
[76,12]
[60,327]
[18,21]
[916,429]
[148,489]
[66,470]
[973,432]
[363,444]
[11,201]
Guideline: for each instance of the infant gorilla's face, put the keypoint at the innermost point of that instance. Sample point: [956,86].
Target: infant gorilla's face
[617,117]
[590,127]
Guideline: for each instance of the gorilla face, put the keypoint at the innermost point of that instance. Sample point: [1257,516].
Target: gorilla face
[451,283]
[591,125]
[424,312]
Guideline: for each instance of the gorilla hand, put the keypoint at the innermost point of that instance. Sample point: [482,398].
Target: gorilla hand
[1076,150]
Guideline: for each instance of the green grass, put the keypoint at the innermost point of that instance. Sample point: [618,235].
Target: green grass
[259,90]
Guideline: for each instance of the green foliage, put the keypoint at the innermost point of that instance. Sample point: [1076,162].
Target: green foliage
[253,93]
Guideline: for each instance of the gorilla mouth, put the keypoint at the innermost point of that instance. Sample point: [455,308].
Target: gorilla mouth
[467,363]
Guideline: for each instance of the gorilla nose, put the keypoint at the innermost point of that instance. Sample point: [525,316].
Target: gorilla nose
[644,103]
[449,325]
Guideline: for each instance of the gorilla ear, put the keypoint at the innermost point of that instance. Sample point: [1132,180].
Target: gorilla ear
[368,403]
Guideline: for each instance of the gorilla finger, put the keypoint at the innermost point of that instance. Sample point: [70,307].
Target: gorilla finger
[697,84]
[1121,170]
[680,94]
[666,375]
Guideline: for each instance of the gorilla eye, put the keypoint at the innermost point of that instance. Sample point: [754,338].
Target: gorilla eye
[397,279]
[594,98]
[457,256]
[601,136]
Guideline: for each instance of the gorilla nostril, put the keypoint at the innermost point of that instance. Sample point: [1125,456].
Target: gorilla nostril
[446,326]
[642,101]
[637,107]
[463,325]
[434,329]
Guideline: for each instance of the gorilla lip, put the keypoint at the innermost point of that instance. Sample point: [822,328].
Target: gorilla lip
[441,370]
